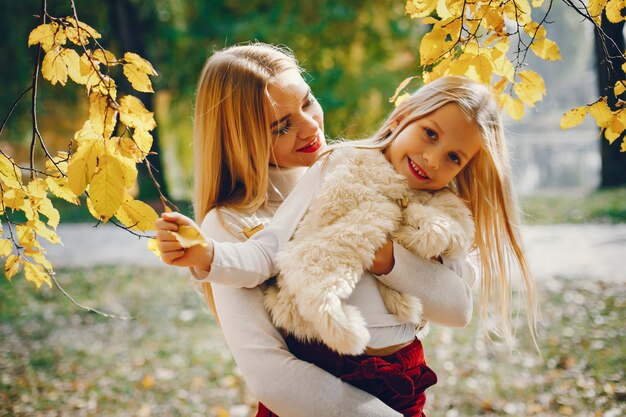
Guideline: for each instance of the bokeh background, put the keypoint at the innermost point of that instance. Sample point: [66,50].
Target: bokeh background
[170,360]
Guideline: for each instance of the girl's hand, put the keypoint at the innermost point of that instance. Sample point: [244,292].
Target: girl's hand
[172,251]
[383,260]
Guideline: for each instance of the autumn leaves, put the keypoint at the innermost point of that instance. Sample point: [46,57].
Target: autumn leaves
[103,155]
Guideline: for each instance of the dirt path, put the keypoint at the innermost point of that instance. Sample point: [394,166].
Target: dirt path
[572,250]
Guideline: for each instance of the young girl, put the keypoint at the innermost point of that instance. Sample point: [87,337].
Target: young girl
[448,133]
[257,128]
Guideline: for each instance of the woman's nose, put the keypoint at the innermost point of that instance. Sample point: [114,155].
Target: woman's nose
[308,126]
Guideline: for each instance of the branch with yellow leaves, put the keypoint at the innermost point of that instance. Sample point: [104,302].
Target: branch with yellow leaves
[97,163]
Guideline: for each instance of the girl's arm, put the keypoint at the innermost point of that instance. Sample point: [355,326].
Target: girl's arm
[445,290]
[285,384]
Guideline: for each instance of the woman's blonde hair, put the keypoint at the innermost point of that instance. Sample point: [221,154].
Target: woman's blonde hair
[232,136]
[484,184]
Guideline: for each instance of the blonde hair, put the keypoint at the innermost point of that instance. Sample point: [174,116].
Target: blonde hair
[486,186]
[232,137]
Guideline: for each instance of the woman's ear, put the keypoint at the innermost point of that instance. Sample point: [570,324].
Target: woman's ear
[394,125]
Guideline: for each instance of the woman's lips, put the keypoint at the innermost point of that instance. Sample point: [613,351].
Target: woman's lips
[417,170]
[312,146]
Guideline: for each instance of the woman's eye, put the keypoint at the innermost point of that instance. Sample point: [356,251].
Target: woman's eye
[283,130]
[309,100]
[430,133]
[455,158]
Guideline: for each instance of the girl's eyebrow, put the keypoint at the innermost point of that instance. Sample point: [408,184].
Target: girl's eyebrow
[285,117]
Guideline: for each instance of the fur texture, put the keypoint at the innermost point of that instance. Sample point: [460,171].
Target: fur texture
[363,202]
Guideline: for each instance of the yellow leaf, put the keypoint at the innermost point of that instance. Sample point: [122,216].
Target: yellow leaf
[537,3]
[136,215]
[106,190]
[11,266]
[40,258]
[601,112]
[104,56]
[514,107]
[531,88]
[59,188]
[37,188]
[25,235]
[10,175]
[45,207]
[454,8]
[401,98]
[106,87]
[615,128]
[574,117]
[83,164]
[619,88]
[84,29]
[546,49]
[420,8]
[432,46]
[189,236]
[138,79]
[6,247]
[518,11]
[43,34]
[147,381]
[535,30]
[72,62]
[153,246]
[142,64]
[134,114]
[36,274]
[623,147]
[41,230]
[14,198]
[483,67]
[53,68]
[143,140]
[595,8]
[102,116]
[614,10]
[129,167]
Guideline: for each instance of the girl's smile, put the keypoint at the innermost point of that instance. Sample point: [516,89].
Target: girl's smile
[312,146]
[417,170]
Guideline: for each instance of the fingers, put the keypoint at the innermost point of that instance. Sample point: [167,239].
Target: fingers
[177,218]
[162,224]
[171,257]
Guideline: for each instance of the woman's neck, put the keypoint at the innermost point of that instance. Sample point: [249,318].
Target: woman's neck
[281,181]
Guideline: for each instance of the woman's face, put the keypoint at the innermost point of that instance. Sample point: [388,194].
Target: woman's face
[297,121]
[432,150]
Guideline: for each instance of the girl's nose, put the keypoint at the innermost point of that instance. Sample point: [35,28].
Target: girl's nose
[432,160]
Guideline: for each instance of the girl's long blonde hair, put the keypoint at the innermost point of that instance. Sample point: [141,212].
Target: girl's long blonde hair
[232,137]
[485,184]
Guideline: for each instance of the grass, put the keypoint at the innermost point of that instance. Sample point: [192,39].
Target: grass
[600,206]
[171,360]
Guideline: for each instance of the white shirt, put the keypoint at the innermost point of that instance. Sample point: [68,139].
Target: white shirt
[253,261]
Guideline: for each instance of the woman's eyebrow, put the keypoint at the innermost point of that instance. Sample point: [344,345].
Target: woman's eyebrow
[282,119]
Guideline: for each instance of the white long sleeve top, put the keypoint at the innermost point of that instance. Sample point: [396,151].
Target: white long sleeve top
[254,261]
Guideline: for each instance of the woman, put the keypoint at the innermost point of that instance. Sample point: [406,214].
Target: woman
[257,128]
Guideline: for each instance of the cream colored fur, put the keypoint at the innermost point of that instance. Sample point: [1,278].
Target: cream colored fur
[352,216]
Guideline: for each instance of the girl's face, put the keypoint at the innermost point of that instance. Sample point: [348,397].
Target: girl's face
[432,150]
[298,123]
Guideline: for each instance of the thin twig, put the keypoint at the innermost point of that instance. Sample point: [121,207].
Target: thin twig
[87,309]
[6,119]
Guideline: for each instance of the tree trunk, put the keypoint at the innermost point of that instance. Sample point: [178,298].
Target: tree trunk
[131,31]
[609,70]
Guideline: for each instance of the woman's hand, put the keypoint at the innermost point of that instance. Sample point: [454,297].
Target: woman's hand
[198,256]
[383,260]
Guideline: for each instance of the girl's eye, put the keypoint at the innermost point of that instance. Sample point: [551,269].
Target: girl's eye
[455,158]
[430,133]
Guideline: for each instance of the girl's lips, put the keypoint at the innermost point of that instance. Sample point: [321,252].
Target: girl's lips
[312,146]
[417,170]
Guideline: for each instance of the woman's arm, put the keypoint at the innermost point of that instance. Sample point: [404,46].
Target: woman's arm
[445,290]
[286,385]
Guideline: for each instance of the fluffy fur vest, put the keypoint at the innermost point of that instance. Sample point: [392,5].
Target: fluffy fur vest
[363,201]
